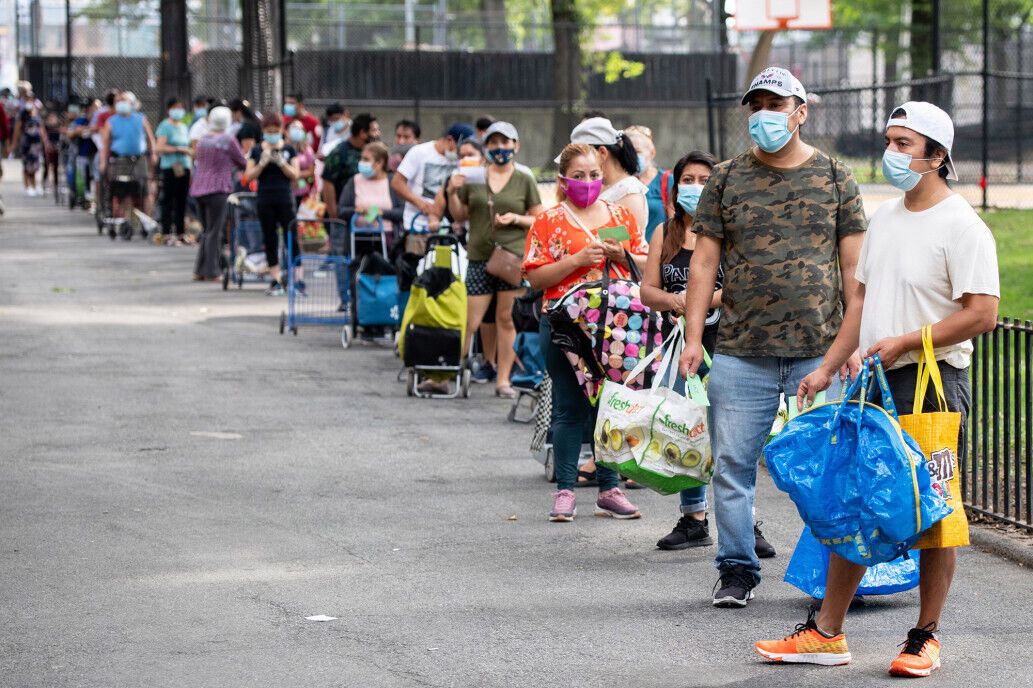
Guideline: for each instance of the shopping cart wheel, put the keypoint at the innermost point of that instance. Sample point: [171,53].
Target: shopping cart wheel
[410,383]
[225,279]
[345,337]
[283,322]
[550,465]
[464,385]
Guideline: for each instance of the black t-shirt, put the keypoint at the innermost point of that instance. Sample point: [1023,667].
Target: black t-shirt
[674,275]
[272,182]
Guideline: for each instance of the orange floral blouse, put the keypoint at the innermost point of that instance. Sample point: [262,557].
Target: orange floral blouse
[554,236]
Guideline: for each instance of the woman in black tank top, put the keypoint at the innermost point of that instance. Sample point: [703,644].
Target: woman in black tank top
[663,289]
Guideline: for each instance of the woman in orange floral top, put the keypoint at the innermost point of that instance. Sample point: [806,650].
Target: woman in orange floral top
[564,249]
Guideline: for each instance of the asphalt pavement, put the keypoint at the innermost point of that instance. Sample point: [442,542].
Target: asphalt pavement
[181,486]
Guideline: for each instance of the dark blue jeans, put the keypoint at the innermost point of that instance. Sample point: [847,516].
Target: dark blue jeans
[571,414]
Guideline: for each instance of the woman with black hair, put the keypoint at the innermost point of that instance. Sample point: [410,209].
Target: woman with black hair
[663,290]
[619,161]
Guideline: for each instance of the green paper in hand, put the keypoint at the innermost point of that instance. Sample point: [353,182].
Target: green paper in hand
[372,214]
[620,233]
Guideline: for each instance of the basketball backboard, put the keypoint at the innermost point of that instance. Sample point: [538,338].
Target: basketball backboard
[769,15]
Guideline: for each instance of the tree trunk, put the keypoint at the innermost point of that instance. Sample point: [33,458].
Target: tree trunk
[175,72]
[496,30]
[891,52]
[921,44]
[568,75]
[760,56]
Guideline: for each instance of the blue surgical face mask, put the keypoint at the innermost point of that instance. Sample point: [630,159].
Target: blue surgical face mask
[177,113]
[73,109]
[643,164]
[366,169]
[770,130]
[688,197]
[896,167]
[338,125]
[123,107]
[290,109]
[200,112]
[272,139]
[297,135]
[500,156]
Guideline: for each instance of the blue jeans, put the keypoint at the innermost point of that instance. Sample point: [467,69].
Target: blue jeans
[744,397]
[694,499]
[571,415]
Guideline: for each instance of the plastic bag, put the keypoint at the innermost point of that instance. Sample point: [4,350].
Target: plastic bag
[656,436]
[809,567]
[856,478]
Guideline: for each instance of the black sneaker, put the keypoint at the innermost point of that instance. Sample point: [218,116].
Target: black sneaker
[735,588]
[761,546]
[485,373]
[688,532]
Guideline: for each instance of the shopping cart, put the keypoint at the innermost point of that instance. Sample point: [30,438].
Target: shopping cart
[244,257]
[373,279]
[320,303]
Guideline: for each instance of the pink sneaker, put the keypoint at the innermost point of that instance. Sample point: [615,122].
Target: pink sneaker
[613,503]
[563,508]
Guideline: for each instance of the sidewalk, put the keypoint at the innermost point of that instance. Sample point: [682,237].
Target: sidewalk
[180,486]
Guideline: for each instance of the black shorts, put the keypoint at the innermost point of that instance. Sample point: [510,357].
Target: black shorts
[479,282]
[956,388]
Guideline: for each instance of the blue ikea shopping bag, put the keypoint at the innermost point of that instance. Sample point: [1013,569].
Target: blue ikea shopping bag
[857,479]
[377,292]
[809,568]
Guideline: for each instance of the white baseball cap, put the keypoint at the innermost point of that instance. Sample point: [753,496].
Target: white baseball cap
[594,131]
[504,128]
[931,122]
[777,80]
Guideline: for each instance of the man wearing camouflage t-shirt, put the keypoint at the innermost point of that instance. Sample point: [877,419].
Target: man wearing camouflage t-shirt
[787,221]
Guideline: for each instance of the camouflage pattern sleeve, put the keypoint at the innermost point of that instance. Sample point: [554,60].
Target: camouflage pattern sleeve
[709,219]
[850,219]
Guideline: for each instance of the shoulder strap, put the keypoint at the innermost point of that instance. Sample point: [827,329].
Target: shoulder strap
[665,193]
[835,185]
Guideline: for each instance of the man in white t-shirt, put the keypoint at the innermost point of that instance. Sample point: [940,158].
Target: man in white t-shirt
[927,259]
[425,169]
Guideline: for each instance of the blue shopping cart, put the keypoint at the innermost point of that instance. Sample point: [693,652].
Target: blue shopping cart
[244,258]
[374,282]
[319,303]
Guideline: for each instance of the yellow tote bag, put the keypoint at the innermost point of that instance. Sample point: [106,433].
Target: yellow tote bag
[937,435]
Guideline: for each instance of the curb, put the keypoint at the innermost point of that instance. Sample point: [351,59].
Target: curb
[989,539]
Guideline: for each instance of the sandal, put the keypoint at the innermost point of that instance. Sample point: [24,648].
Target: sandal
[506,392]
[586,479]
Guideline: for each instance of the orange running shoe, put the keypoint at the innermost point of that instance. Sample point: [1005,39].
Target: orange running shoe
[920,656]
[807,645]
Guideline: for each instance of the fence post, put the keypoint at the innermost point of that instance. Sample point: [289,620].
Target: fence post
[711,141]
[68,51]
[419,75]
[875,103]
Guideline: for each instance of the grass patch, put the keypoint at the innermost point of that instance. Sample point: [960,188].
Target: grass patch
[1013,230]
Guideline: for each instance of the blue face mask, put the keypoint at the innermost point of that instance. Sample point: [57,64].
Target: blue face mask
[366,169]
[688,197]
[123,107]
[338,125]
[896,167]
[200,112]
[770,130]
[290,109]
[297,135]
[501,156]
[177,113]
[272,139]
[643,164]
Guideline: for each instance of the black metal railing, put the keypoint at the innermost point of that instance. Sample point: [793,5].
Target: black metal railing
[997,480]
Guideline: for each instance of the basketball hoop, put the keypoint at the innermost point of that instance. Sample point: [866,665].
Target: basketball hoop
[785,15]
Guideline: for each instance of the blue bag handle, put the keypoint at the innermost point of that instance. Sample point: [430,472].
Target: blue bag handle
[884,387]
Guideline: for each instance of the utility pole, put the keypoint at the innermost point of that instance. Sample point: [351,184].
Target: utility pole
[68,51]
[984,181]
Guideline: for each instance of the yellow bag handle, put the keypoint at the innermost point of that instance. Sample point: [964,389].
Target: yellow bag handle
[928,369]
